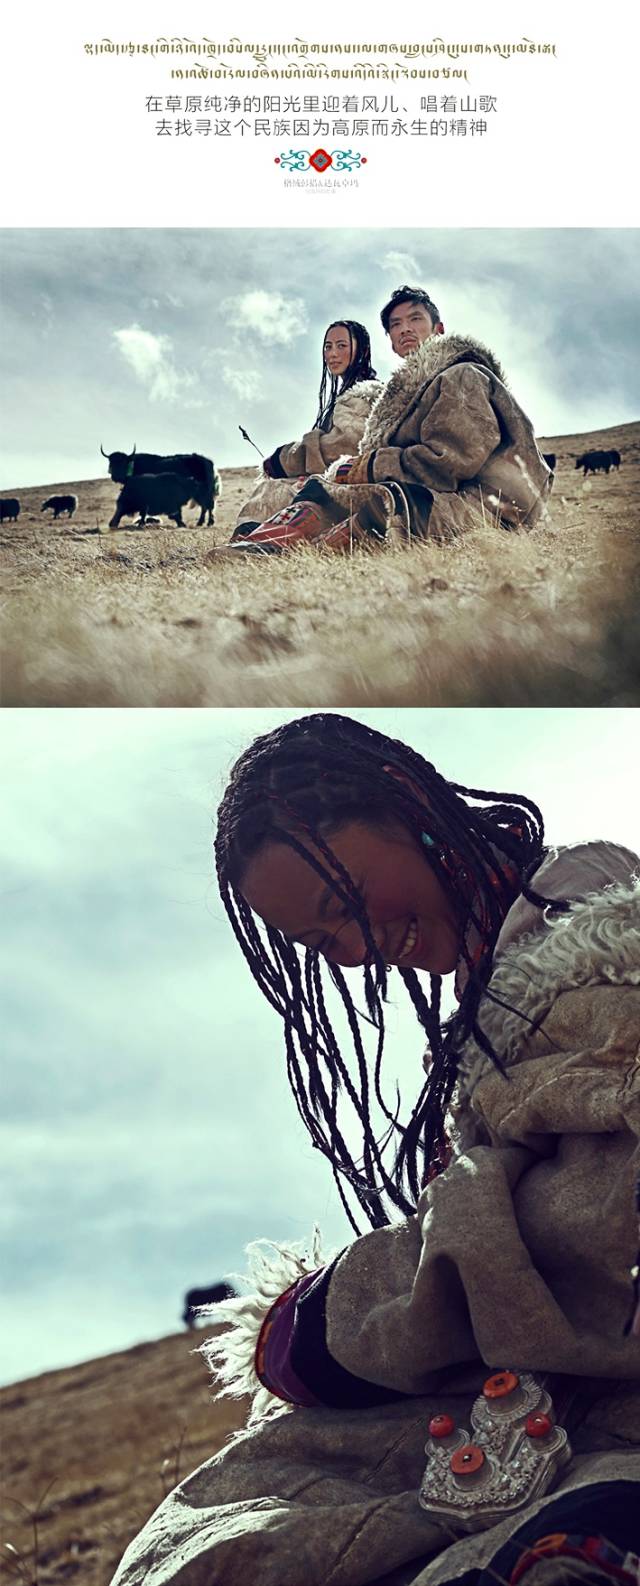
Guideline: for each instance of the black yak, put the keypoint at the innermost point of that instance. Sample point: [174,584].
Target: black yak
[154,493]
[211,1296]
[200,470]
[593,462]
[58,504]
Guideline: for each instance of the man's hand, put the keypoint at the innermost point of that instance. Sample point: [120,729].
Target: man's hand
[359,473]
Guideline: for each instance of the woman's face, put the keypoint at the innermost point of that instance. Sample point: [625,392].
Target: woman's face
[411,918]
[338,350]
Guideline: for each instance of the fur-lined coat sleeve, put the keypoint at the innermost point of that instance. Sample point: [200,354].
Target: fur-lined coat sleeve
[452,434]
[318,448]
[521,1251]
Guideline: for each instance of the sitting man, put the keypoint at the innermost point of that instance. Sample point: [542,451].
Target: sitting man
[445,447]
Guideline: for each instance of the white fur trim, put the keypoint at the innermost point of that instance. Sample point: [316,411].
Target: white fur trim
[332,470]
[359,397]
[272,1268]
[596,942]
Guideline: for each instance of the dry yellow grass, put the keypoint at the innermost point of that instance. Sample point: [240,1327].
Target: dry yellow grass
[107,1439]
[142,618]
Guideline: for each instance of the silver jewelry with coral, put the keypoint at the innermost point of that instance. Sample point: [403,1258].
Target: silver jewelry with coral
[510,1457]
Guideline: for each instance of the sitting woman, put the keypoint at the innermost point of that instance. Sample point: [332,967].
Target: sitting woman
[455,1397]
[348,390]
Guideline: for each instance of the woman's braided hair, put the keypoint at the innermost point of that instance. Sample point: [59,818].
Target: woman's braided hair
[360,368]
[306,779]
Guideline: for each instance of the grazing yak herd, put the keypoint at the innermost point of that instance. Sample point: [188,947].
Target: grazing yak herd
[155,486]
[162,485]
[10,507]
[151,485]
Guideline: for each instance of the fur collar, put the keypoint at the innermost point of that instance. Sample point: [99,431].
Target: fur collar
[362,391]
[354,407]
[596,942]
[406,384]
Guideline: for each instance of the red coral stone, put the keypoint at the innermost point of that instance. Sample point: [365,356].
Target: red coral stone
[441,1426]
[502,1383]
[538,1424]
[467,1460]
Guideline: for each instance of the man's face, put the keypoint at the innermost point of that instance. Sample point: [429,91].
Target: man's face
[409,325]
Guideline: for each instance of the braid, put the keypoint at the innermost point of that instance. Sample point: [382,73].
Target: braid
[307,778]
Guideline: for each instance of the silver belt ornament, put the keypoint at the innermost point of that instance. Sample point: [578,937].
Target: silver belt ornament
[510,1456]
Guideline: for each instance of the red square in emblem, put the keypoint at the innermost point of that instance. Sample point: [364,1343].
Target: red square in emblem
[320,160]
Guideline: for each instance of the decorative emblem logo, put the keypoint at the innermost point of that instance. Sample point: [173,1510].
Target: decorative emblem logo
[320,160]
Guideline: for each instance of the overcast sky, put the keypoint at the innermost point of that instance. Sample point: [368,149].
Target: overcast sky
[171,339]
[147,1129]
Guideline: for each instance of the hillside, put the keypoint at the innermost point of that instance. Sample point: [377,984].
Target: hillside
[141,617]
[92,1450]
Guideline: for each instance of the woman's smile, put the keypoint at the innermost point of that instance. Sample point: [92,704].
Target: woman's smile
[406,912]
[409,941]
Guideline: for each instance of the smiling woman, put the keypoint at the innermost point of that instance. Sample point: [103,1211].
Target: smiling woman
[496,1317]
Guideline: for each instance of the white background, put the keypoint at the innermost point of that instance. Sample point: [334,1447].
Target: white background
[560,151]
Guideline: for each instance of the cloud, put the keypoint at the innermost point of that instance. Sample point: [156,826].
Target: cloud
[274,319]
[225,298]
[400,263]
[247,383]
[151,358]
[47,313]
